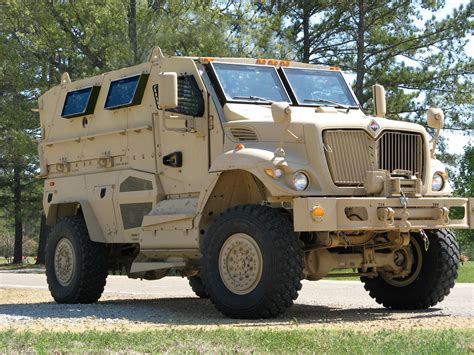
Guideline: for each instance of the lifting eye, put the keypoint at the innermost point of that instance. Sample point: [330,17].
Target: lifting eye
[102,192]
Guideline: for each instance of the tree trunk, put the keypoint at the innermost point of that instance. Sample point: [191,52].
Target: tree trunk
[360,66]
[43,236]
[132,29]
[18,251]
[306,39]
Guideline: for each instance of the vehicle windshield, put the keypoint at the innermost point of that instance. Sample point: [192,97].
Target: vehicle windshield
[319,87]
[250,83]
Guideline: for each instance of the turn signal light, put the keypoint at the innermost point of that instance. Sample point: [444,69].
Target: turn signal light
[274,173]
[317,212]
[239,146]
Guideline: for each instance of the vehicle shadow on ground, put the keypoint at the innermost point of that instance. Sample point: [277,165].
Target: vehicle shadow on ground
[196,312]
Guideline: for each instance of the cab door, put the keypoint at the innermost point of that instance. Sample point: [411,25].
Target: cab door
[181,134]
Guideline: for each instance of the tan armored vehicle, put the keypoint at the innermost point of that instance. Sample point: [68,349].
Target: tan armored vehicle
[245,176]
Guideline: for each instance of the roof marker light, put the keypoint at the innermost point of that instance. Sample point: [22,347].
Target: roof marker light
[284,63]
[261,61]
[272,62]
[206,60]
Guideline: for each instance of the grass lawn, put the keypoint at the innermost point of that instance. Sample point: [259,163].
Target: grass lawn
[465,274]
[242,340]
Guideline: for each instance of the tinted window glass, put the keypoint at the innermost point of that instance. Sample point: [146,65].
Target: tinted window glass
[241,82]
[309,86]
[76,102]
[126,92]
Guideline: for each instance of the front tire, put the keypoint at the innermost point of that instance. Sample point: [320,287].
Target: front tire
[76,267]
[433,274]
[252,262]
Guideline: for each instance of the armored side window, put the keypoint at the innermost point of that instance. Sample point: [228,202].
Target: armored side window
[190,101]
[126,92]
[80,102]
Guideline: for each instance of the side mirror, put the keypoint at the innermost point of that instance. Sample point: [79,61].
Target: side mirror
[436,121]
[435,118]
[168,90]
[378,94]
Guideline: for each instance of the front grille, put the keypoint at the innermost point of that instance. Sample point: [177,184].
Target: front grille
[351,153]
[401,151]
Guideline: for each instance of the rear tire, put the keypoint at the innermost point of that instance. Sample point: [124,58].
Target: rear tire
[253,262]
[76,267]
[198,287]
[433,280]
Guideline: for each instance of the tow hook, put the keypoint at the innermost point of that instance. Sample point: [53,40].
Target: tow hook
[426,241]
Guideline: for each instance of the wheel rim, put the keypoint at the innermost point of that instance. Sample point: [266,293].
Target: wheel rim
[64,261]
[240,263]
[414,251]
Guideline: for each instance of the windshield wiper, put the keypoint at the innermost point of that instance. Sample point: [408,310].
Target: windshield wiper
[253,98]
[336,104]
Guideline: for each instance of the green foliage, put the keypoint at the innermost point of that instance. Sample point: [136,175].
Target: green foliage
[464,186]
[466,272]
[200,341]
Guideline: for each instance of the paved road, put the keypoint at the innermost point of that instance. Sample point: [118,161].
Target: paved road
[331,294]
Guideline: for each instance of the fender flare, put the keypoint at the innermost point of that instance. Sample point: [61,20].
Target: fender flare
[62,209]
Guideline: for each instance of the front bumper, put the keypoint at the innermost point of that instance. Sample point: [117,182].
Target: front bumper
[381,213]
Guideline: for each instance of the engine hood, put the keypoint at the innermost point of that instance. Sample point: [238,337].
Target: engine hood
[259,117]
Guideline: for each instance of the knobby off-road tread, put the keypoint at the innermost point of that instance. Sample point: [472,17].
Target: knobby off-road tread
[91,270]
[198,287]
[436,278]
[282,282]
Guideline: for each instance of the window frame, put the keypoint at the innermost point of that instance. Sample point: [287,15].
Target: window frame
[223,93]
[138,92]
[90,104]
[305,104]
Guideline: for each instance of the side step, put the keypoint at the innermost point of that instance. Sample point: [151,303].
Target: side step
[168,213]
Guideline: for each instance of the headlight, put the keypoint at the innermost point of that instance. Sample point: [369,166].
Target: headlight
[438,182]
[300,181]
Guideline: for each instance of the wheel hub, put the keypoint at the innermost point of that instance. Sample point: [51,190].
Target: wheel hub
[64,262]
[411,257]
[240,263]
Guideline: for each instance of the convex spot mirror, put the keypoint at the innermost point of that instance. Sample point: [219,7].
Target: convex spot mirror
[435,118]
[378,94]
[168,90]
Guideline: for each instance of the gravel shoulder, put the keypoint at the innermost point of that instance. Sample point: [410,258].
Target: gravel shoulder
[133,305]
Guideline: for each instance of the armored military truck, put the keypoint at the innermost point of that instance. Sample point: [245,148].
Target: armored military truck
[246,176]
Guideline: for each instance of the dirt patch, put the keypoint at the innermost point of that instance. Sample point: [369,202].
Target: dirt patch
[25,309]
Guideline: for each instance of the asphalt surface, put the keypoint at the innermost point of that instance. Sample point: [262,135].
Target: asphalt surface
[25,303]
